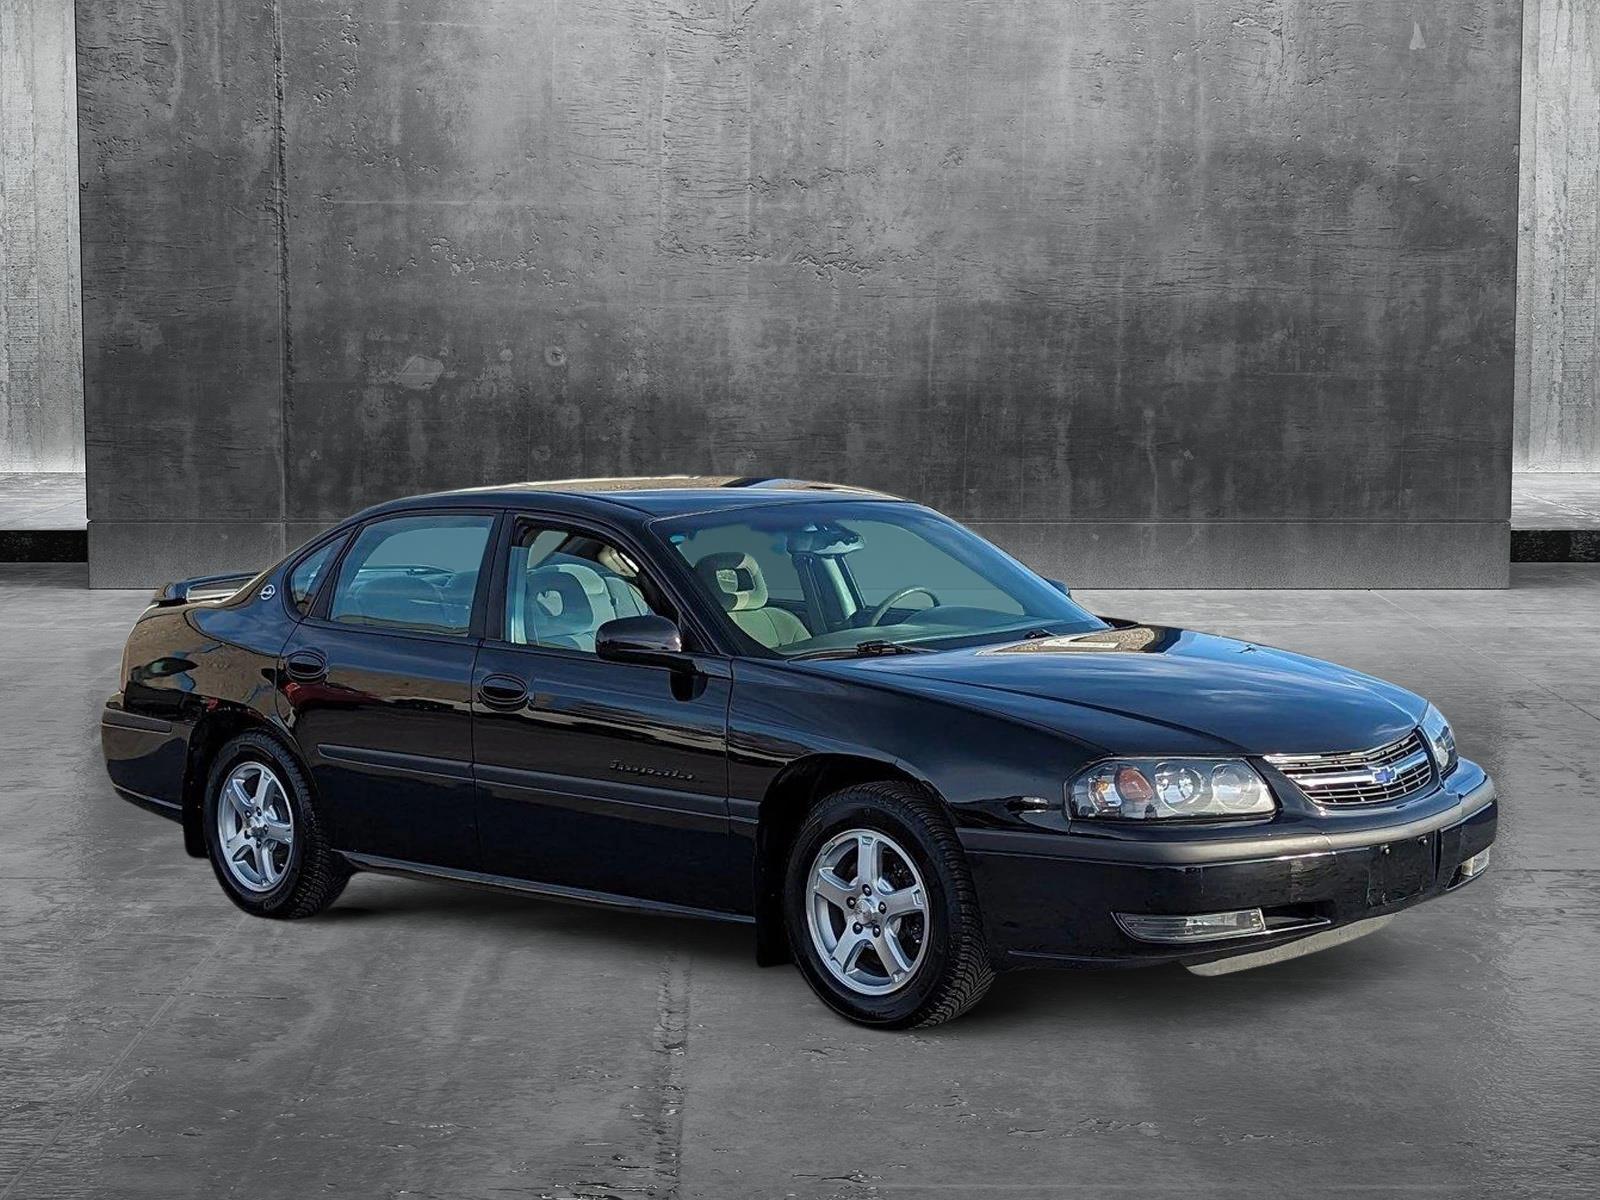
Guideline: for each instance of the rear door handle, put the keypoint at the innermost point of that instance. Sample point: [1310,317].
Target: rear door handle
[504,692]
[306,665]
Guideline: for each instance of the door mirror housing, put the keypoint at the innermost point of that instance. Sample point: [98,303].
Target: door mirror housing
[652,640]
[1060,587]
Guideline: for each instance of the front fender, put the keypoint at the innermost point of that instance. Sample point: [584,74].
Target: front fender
[985,766]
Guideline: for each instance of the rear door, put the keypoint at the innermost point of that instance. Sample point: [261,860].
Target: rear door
[378,683]
[597,776]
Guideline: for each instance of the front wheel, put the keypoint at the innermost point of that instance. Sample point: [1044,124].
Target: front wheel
[881,909]
[266,843]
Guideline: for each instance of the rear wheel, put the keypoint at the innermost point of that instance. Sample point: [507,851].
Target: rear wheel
[881,910]
[267,846]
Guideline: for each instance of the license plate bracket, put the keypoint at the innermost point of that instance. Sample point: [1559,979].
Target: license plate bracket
[1401,870]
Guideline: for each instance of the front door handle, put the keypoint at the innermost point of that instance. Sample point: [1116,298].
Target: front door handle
[307,666]
[503,692]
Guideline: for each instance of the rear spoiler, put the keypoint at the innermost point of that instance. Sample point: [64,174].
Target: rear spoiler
[202,587]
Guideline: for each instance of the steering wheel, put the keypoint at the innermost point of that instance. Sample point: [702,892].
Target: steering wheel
[883,609]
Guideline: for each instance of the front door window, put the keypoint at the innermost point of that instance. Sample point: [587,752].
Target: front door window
[562,585]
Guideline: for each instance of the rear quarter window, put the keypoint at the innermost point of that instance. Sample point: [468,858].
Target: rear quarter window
[308,573]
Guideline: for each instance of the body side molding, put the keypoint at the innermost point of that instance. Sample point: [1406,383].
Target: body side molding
[554,891]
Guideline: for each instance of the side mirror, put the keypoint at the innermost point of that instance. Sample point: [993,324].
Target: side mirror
[652,640]
[1060,587]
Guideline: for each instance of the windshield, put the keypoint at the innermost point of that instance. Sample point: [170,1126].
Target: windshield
[853,577]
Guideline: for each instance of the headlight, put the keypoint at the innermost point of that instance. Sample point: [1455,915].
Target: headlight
[1441,742]
[1142,789]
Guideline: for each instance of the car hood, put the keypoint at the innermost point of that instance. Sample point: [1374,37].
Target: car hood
[1155,689]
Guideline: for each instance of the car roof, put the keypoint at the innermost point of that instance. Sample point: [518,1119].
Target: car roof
[649,495]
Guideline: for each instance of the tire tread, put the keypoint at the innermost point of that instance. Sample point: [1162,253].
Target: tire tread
[969,971]
[322,873]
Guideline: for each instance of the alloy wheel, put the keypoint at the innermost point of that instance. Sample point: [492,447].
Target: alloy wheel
[868,912]
[255,827]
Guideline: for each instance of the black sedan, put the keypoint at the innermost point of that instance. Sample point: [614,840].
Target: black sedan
[832,714]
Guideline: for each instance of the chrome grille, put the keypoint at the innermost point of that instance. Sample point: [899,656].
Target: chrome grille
[1378,776]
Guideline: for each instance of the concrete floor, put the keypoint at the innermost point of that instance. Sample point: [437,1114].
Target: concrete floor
[425,1040]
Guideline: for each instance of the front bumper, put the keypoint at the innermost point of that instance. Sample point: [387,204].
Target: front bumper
[1048,898]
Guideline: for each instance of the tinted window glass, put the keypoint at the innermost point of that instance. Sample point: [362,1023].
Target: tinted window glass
[867,571]
[767,547]
[902,557]
[562,585]
[307,574]
[413,573]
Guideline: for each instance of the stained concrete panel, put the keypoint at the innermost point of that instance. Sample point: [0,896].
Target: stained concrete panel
[1558,317]
[1028,262]
[129,550]
[1261,554]
[181,246]
[41,380]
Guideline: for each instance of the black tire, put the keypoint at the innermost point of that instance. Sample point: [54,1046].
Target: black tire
[954,971]
[314,874]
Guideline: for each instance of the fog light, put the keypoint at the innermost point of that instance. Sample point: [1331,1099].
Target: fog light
[1473,867]
[1197,927]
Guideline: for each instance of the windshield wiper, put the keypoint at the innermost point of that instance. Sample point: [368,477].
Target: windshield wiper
[873,648]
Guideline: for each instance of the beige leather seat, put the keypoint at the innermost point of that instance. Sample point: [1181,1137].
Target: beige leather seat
[609,596]
[556,611]
[735,579]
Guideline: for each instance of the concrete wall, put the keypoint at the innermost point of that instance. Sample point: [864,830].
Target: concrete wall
[1210,293]
[41,347]
[1558,314]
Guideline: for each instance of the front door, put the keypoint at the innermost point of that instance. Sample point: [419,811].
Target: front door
[378,684]
[597,776]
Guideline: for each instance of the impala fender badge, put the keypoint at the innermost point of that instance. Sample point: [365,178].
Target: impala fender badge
[268,592]
[628,768]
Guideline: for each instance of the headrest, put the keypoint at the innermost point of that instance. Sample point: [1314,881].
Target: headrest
[592,582]
[557,603]
[617,562]
[734,579]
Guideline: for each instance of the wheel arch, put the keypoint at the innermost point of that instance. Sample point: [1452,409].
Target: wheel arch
[793,793]
[218,725]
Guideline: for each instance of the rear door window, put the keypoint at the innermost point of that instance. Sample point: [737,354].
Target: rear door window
[416,573]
